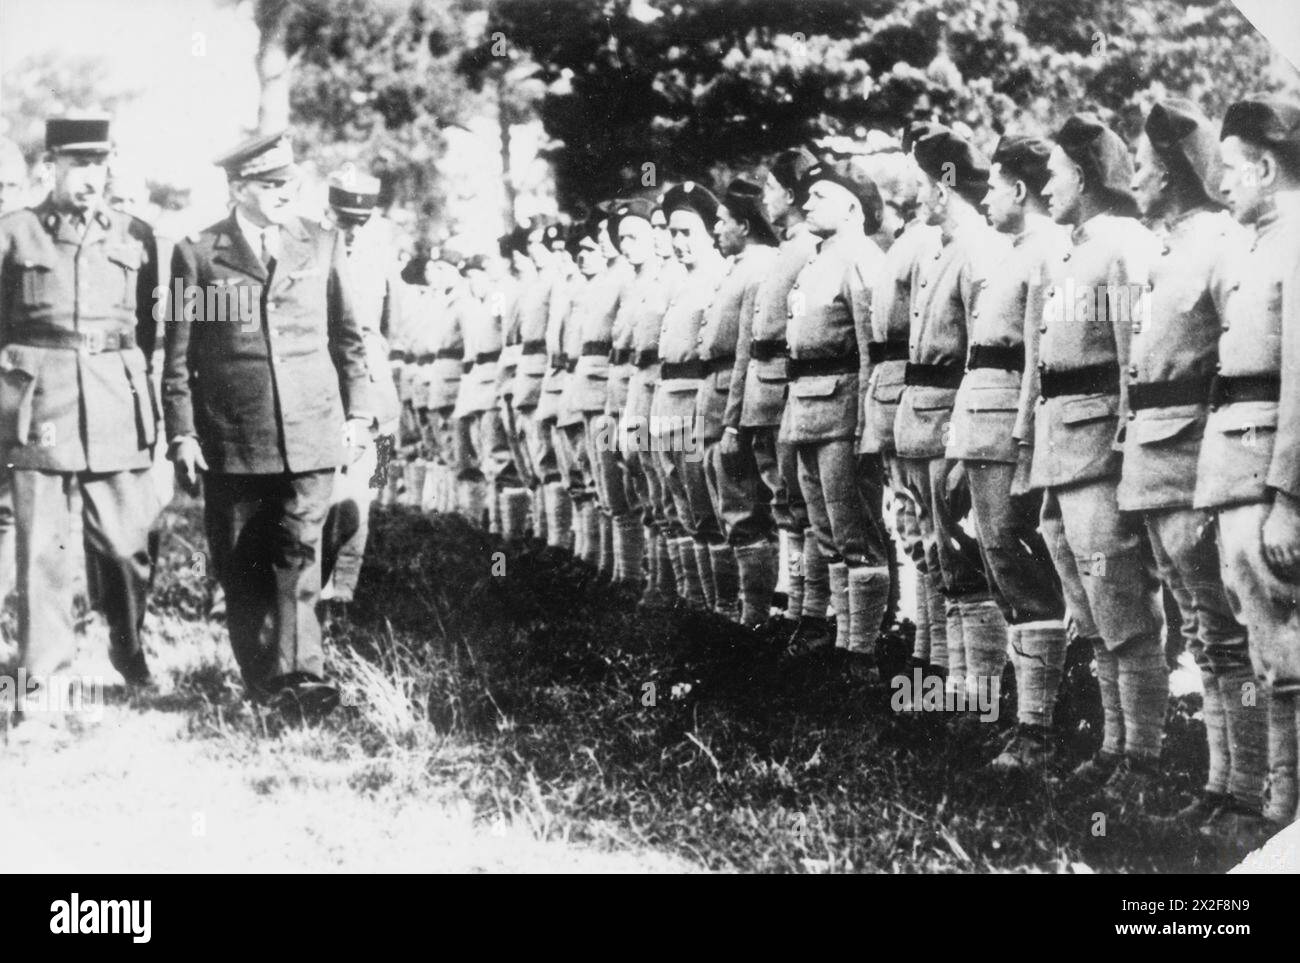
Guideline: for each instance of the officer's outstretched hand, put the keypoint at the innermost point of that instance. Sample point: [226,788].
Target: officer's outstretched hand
[1281,538]
[187,457]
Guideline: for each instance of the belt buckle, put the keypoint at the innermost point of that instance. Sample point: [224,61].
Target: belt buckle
[93,341]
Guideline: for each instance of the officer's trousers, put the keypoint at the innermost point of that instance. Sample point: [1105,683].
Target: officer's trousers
[743,500]
[264,532]
[117,510]
[943,542]
[1262,601]
[1016,560]
[843,497]
[1187,558]
[1107,574]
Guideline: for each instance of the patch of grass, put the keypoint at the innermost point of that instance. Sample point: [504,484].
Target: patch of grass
[553,705]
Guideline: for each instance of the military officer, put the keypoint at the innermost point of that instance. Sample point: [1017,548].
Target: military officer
[745,566]
[1003,339]
[1248,470]
[1095,289]
[692,210]
[77,329]
[954,180]
[829,325]
[372,267]
[264,408]
[1173,354]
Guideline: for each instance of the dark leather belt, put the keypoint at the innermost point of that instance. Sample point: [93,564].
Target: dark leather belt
[682,369]
[1002,356]
[595,349]
[722,363]
[91,341]
[620,356]
[1095,379]
[398,355]
[467,366]
[815,367]
[1166,394]
[424,357]
[878,351]
[932,375]
[533,347]
[767,349]
[646,357]
[570,364]
[450,354]
[1227,391]
[487,357]
[558,362]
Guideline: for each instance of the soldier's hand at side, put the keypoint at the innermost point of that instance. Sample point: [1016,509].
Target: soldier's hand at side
[1281,537]
[187,457]
[729,447]
[1024,463]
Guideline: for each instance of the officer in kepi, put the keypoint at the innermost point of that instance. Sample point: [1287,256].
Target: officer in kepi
[264,403]
[76,406]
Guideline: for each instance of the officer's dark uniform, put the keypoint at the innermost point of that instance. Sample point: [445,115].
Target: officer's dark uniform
[266,397]
[77,409]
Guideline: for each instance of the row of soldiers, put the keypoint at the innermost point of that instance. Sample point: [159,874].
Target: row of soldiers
[1073,370]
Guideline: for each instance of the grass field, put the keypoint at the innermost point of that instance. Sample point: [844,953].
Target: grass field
[505,711]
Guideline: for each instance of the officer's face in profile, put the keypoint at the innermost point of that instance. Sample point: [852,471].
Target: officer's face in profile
[80,180]
[828,207]
[636,239]
[1247,175]
[1064,189]
[478,283]
[777,201]
[1002,202]
[265,201]
[731,233]
[689,235]
[1149,179]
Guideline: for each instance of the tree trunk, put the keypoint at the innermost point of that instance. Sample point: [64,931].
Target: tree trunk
[273,65]
[507,182]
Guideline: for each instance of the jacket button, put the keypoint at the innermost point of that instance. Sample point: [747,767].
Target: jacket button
[1065,256]
[1042,328]
[1224,326]
[924,283]
[1133,371]
[1132,416]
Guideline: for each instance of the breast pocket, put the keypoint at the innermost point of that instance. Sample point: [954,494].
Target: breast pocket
[126,261]
[37,288]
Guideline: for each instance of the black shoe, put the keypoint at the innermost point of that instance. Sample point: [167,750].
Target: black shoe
[135,671]
[812,634]
[299,697]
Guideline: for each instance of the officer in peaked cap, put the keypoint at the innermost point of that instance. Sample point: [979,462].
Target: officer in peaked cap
[264,402]
[372,266]
[76,401]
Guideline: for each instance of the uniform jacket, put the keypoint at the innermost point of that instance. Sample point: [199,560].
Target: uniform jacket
[891,319]
[372,269]
[481,329]
[1094,290]
[620,372]
[1008,311]
[944,287]
[830,317]
[680,340]
[559,341]
[266,394]
[761,385]
[1180,340]
[442,351]
[645,303]
[538,299]
[1251,447]
[594,310]
[720,335]
[64,408]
